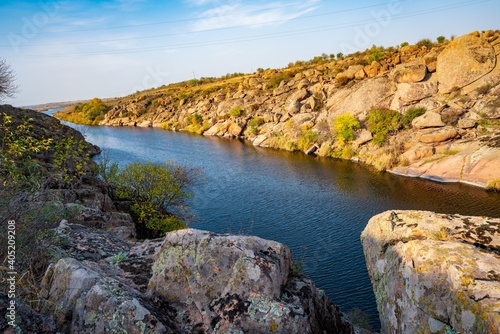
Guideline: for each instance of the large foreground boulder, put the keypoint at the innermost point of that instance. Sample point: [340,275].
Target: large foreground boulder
[226,283]
[189,282]
[434,273]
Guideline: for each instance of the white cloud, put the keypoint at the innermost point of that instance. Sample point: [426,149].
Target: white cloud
[237,13]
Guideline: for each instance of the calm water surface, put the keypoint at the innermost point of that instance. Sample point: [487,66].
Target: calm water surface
[318,207]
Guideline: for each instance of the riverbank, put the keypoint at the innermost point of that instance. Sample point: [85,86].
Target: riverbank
[71,232]
[445,95]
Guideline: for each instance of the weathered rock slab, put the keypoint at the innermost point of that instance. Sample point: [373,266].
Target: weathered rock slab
[428,120]
[226,283]
[414,71]
[465,60]
[434,273]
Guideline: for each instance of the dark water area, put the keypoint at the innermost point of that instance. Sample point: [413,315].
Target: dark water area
[318,207]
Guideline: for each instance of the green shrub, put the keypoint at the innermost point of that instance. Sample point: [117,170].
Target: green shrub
[92,110]
[254,124]
[345,125]
[441,39]
[160,193]
[404,44]
[411,114]
[425,42]
[236,111]
[307,139]
[381,122]
[277,78]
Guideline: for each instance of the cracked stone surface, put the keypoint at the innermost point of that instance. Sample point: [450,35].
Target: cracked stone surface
[432,273]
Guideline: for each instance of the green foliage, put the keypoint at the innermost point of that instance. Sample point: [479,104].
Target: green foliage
[70,158]
[340,56]
[276,79]
[425,42]
[236,111]
[18,148]
[118,258]
[376,53]
[441,39]
[345,125]
[411,114]
[93,111]
[404,44]
[195,119]
[160,193]
[254,124]
[307,139]
[381,122]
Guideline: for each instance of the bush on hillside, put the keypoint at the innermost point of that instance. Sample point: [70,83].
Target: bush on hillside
[411,114]
[160,193]
[344,126]
[236,111]
[381,122]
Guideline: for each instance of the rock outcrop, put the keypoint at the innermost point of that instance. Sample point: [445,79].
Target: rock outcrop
[189,282]
[465,60]
[434,273]
[294,108]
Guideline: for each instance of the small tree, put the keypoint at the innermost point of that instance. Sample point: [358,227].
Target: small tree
[160,193]
[7,86]
[345,125]
[381,122]
[441,39]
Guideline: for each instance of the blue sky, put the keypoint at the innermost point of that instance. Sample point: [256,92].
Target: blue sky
[67,50]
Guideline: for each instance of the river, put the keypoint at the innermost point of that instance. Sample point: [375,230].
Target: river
[318,207]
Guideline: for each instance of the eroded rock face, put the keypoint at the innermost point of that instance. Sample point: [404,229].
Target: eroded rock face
[433,273]
[189,282]
[465,60]
[226,283]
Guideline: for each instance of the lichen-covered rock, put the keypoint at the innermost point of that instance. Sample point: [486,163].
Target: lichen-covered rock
[466,59]
[434,273]
[82,299]
[227,283]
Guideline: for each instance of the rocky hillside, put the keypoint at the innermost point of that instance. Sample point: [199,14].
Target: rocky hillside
[446,96]
[434,273]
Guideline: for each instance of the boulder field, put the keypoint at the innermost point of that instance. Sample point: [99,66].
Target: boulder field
[434,273]
[456,82]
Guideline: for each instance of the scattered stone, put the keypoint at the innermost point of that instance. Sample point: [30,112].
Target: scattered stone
[362,137]
[439,135]
[466,123]
[414,71]
[428,120]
